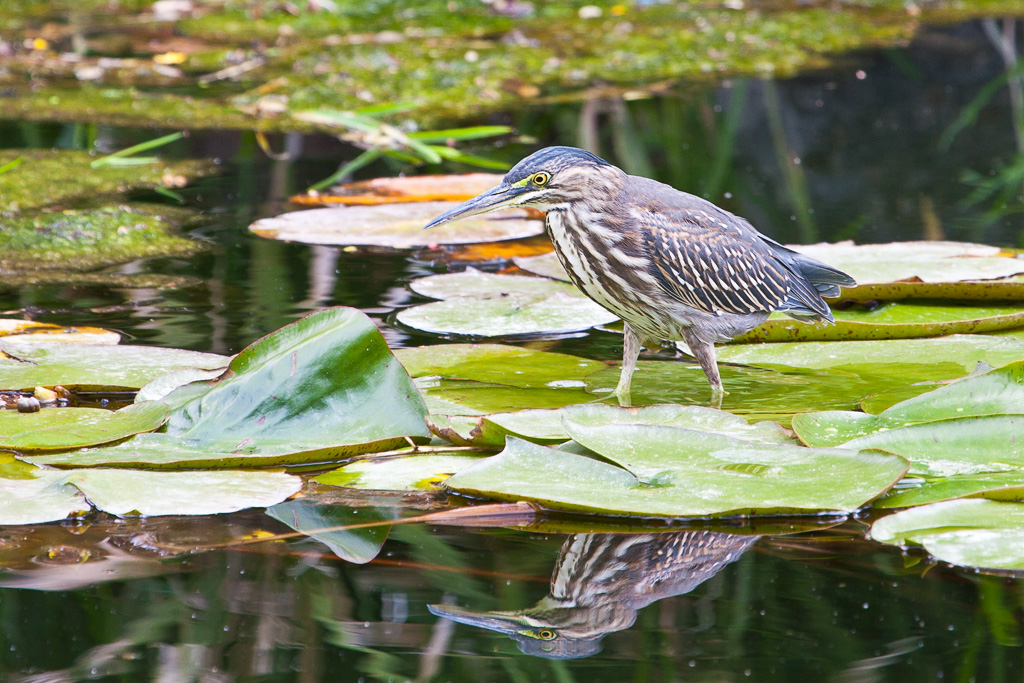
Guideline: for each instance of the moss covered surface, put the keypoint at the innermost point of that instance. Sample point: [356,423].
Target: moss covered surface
[62,178]
[453,58]
[86,239]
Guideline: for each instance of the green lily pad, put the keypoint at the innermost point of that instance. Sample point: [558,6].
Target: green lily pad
[407,473]
[320,389]
[970,290]
[42,497]
[992,485]
[997,392]
[358,546]
[893,321]
[479,398]
[923,261]
[666,471]
[500,364]
[538,426]
[136,492]
[397,226]
[508,316]
[64,428]
[957,353]
[969,533]
[24,365]
[163,386]
[475,284]
[943,449]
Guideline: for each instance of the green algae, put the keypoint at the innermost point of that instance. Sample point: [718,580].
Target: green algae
[460,59]
[87,239]
[60,178]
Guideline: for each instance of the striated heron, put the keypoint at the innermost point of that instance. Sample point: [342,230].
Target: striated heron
[673,266]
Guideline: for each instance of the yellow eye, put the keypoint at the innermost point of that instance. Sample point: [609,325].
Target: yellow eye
[540,178]
[546,634]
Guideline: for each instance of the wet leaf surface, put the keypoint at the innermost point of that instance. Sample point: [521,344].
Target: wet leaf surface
[992,485]
[320,389]
[396,226]
[508,316]
[476,284]
[665,471]
[923,261]
[970,533]
[24,365]
[65,428]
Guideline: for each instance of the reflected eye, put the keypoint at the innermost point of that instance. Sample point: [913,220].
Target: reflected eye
[546,634]
[540,178]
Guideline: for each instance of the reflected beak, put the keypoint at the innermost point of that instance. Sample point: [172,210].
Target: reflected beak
[497,198]
[502,622]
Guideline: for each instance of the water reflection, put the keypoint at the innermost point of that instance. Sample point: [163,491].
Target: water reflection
[599,584]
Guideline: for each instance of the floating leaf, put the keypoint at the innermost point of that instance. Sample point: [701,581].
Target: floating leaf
[665,471]
[42,497]
[538,426]
[158,389]
[135,492]
[322,388]
[321,522]
[426,188]
[998,392]
[956,353]
[65,428]
[893,321]
[499,364]
[923,261]
[491,378]
[992,485]
[969,533]
[697,418]
[32,364]
[407,473]
[30,331]
[997,290]
[507,317]
[475,284]
[398,226]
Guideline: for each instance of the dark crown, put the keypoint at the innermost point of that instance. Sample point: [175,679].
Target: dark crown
[552,160]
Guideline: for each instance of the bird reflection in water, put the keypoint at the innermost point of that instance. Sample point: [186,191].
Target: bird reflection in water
[599,584]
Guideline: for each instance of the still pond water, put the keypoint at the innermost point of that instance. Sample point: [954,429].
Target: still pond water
[850,153]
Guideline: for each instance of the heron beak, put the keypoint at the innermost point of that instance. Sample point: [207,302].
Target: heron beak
[497,198]
[501,622]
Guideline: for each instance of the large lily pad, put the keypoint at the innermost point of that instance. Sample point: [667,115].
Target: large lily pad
[397,226]
[968,290]
[666,471]
[40,496]
[64,428]
[998,392]
[970,533]
[499,364]
[991,485]
[407,473]
[476,284]
[545,426]
[24,365]
[135,492]
[320,389]
[923,261]
[545,265]
[507,317]
[893,321]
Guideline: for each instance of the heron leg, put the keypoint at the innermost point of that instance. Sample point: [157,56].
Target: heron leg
[630,352]
[705,354]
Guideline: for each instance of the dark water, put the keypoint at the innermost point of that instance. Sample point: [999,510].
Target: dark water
[851,153]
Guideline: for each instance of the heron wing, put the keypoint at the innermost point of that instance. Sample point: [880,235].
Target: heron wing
[711,265]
